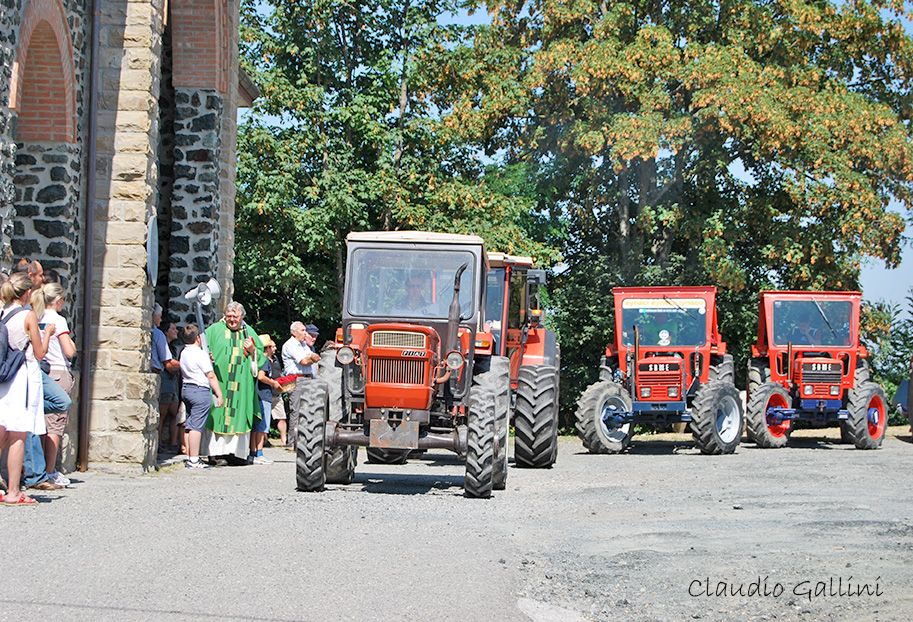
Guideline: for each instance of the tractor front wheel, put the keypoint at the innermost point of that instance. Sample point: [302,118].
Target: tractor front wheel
[762,429]
[598,423]
[868,416]
[717,418]
[480,450]
[536,417]
[309,446]
[496,379]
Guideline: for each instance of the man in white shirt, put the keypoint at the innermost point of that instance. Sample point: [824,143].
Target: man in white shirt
[298,358]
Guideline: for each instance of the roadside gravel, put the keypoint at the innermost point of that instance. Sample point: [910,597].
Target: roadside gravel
[639,536]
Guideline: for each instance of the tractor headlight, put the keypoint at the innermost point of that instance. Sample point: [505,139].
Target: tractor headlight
[807,389]
[645,392]
[345,355]
[673,391]
[454,360]
[835,389]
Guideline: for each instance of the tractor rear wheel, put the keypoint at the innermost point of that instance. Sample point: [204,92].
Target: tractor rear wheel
[536,417]
[724,371]
[376,455]
[758,374]
[868,416]
[717,418]
[497,380]
[761,430]
[309,448]
[597,423]
[339,464]
[332,376]
[480,450]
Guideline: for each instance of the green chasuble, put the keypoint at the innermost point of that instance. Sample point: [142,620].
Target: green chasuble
[239,387]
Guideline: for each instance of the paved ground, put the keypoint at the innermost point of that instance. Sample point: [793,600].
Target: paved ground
[640,536]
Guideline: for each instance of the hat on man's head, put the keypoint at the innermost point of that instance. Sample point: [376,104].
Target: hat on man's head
[312,329]
[266,341]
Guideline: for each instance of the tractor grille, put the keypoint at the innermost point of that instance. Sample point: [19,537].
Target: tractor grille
[659,384]
[395,339]
[399,371]
[821,373]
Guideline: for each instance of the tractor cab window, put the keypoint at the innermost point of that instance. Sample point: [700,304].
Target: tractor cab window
[494,300]
[664,322]
[408,283]
[814,322]
[516,310]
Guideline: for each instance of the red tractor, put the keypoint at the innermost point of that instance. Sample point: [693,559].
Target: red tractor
[411,377]
[808,365]
[514,338]
[668,365]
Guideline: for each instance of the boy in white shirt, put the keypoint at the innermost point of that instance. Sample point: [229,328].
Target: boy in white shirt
[199,378]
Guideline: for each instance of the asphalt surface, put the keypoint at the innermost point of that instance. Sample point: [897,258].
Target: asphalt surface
[658,533]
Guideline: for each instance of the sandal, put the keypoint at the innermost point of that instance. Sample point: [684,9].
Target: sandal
[23,501]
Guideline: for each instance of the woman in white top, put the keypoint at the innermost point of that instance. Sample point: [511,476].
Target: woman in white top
[21,407]
[47,303]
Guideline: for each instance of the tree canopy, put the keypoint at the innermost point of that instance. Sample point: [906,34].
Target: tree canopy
[345,138]
[743,144]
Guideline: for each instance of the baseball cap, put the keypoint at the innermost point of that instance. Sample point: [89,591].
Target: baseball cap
[312,329]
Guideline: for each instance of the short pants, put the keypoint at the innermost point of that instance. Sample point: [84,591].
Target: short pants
[197,401]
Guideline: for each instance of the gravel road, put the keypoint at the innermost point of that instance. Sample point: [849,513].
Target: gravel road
[658,533]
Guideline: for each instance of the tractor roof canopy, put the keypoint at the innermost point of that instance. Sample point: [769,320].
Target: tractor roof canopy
[808,320]
[499,260]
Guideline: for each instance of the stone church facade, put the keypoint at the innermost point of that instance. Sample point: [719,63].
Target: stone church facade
[117,167]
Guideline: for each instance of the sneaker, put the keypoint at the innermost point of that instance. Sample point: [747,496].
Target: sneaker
[262,460]
[196,465]
[59,478]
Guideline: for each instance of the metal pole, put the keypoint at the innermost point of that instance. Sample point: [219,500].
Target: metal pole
[83,414]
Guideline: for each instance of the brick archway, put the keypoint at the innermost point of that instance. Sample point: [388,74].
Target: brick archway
[43,89]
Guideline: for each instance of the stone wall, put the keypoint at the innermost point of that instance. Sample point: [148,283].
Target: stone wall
[43,186]
[196,198]
[9,28]
[46,205]
[123,391]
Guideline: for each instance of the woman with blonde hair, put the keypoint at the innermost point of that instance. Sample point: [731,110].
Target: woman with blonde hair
[47,303]
[21,408]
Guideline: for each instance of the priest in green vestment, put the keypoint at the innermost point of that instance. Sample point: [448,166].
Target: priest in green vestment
[234,347]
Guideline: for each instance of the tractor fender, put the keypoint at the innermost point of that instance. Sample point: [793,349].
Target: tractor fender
[543,350]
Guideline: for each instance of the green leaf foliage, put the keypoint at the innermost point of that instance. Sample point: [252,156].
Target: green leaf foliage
[747,145]
[346,137]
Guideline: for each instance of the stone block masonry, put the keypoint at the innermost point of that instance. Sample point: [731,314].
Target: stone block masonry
[46,203]
[195,200]
[123,390]
[166,145]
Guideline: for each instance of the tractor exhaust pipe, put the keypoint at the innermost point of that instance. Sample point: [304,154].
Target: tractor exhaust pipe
[453,318]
